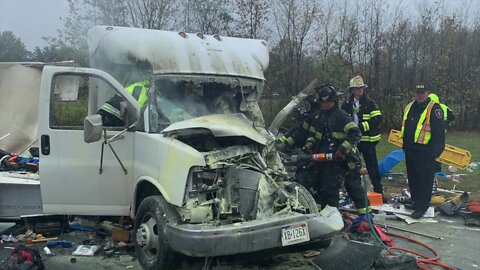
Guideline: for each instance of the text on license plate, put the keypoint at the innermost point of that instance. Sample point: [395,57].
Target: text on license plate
[295,234]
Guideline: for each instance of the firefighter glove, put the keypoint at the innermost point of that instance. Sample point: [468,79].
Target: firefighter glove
[361,224]
[308,146]
[339,155]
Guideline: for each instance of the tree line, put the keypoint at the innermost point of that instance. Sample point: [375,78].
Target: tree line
[392,45]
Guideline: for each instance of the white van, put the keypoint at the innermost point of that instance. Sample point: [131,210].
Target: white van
[195,167]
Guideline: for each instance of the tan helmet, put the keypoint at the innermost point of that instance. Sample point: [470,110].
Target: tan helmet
[357,81]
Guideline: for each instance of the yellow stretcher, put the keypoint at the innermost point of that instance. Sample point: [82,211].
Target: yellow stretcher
[457,157]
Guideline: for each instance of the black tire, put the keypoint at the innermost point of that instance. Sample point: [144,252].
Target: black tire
[304,197]
[151,245]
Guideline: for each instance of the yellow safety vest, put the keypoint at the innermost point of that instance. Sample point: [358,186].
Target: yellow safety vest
[423,132]
[445,110]
[139,91]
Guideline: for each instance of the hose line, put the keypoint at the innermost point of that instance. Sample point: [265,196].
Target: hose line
[421,262]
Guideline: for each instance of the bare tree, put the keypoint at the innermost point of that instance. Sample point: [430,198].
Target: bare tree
[84,14]
[252,15]
[294,21]
[330,39]
[208,16]
[152,14]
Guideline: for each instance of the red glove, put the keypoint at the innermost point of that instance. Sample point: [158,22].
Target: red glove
[363,227]
[360,224]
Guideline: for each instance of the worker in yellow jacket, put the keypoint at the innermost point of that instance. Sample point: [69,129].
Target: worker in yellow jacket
[112,112]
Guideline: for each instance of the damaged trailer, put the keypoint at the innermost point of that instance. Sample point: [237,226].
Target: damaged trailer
[195,166]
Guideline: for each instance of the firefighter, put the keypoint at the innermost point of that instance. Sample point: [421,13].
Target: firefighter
[423,133]
[331,130]
[366,114]
[112,110]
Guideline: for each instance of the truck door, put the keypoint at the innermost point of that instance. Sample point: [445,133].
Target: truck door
[69,168]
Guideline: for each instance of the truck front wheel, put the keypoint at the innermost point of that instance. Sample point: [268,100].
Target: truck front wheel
[151,245]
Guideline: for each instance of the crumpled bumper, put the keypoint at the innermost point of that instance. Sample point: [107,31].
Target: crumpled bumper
[200,240]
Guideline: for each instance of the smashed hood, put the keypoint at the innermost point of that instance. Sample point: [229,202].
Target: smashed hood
[220,125]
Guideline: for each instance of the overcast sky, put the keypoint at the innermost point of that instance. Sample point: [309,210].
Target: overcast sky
[31,20]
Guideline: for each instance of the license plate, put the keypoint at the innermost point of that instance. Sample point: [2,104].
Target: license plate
[295,234]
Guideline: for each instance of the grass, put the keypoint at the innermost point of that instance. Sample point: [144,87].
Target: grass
[69,113]
[467,140]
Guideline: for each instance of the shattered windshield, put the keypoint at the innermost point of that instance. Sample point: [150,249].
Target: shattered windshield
[178,98]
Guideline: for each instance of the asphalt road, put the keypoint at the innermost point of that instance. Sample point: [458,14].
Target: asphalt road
[459,248]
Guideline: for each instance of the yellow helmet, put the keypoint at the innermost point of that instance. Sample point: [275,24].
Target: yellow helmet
[357,81]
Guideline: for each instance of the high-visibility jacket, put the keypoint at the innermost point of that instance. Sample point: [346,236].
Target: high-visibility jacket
[423,128]
[423,131]
[369,117]
[447,112]
[138,90]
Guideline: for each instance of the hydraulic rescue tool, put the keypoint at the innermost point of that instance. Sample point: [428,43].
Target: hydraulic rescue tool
[319,157]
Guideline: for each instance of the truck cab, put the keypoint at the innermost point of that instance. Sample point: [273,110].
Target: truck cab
[195,166]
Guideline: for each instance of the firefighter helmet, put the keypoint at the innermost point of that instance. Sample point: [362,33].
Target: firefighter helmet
[324,92]
[327,92]
[357,81]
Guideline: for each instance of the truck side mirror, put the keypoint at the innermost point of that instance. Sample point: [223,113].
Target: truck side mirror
[92,128]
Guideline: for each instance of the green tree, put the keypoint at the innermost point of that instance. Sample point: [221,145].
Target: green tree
[294,22]
[11,48]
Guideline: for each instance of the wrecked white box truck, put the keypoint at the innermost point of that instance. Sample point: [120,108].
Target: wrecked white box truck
[196,167]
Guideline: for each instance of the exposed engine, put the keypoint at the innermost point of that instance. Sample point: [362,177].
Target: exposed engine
[236,185]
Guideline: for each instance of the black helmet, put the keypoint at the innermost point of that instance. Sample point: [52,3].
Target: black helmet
[324,92]
[327,92]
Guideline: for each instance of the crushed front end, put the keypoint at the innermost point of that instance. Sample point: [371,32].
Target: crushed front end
[237,204]
[242,200]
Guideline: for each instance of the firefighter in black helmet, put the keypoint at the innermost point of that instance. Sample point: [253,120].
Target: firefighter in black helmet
[331,130]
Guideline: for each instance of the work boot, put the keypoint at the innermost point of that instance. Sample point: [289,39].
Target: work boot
[417,214]
[385,199]
[409,206]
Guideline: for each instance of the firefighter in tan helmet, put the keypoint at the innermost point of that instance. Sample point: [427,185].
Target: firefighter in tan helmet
[366,114]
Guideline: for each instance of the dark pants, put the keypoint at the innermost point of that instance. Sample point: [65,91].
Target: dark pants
[353,185]
[329,179]
[438,167]
[369,153]
[420,170]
